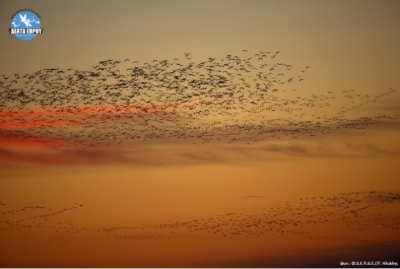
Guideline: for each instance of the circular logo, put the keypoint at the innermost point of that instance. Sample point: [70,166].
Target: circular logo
[25,25]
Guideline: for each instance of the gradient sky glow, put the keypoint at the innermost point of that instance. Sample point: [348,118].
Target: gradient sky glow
[313,200]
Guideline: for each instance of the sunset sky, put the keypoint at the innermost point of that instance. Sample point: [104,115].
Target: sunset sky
[200,134]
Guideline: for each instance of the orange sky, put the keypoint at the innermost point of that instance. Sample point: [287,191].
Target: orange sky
[168,169]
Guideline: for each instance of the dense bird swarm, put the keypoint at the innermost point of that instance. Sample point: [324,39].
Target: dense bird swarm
[232,99]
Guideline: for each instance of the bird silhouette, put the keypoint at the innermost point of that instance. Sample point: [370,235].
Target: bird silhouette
[219,100]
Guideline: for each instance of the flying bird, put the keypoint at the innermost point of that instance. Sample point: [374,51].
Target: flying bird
[25,20]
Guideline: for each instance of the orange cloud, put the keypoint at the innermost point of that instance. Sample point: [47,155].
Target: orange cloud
[73,116]
[13,139]
[60,157]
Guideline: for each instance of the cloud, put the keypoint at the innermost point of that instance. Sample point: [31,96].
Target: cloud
[371,149]
[173,153]
[309,150]
[22,139]
[61,157]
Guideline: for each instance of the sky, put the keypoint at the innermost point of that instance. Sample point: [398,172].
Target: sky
[200,134]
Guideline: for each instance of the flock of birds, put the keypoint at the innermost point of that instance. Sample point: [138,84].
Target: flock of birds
[232,99]
[252,197]
[355,217]
[246,98]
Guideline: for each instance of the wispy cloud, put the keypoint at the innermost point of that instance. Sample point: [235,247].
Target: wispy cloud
[158,154]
